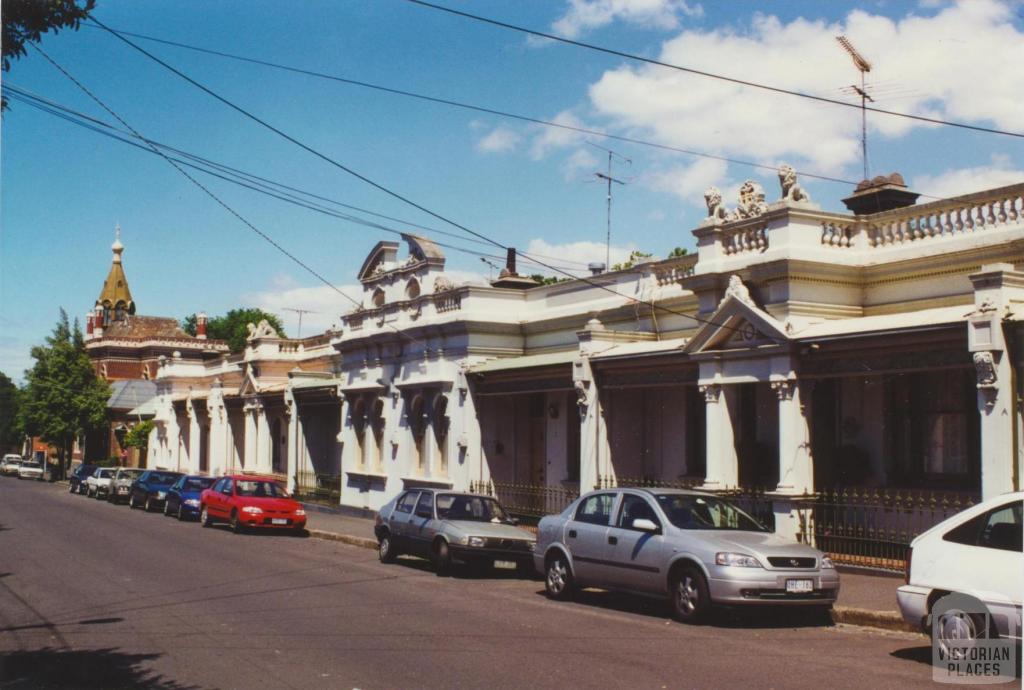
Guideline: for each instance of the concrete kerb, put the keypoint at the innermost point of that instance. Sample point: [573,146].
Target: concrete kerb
[349,539]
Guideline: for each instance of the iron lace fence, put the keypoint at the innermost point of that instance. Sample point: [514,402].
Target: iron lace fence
[318,488]
[871,527]
[527,500]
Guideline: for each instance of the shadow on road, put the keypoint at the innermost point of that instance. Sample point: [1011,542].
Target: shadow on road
[922,655]
[760,617]
[86,669]
[464,572]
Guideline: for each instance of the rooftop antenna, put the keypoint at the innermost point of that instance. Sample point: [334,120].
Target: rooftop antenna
[863,66]
[609,179]
[491,268]
[300,312]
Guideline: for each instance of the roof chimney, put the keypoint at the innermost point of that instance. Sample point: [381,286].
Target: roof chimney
[596,268]
[883,193]
[508,278]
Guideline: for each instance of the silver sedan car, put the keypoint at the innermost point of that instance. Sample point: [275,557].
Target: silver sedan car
[695,548]
[452,528]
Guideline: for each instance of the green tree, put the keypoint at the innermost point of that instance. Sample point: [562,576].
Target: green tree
[635,257]
[549,280]
[677,252]
[138,437]
[232,326]
[10,418]
[28,20]
[63,399]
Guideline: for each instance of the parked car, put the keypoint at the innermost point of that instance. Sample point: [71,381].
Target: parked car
[248,501]
[694,548]
[452,528]
[183,498]
[97,484]
[121,484]
[30,470]
[77,477]
[10,465]
[978,555]
[149,491]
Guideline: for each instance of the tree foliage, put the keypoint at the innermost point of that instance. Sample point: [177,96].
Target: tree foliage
[635,257]
[28,20]
[232,326]
[63,397]
[10,417]
[549,280]
[677,252]
[138,435]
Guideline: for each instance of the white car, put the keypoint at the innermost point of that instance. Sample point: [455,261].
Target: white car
[977,556]
[10,464]
[30,470]
[98,484]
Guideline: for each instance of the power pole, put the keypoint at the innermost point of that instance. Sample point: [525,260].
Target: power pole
[863,66]
[607,177]
[300,312]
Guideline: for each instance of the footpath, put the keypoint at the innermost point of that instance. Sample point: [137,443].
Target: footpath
[865,598]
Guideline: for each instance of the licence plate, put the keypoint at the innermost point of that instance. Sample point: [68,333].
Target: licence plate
[278,521]
[505,565]
[799,586]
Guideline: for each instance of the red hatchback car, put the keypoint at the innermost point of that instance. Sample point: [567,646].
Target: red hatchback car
[246,501]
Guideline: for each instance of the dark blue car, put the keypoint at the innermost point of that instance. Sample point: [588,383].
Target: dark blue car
[76,480]
[150,490]
[183,498]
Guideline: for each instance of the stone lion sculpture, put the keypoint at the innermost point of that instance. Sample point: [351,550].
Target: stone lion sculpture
[261,330]
[791,189]
[716,209]
[752,203]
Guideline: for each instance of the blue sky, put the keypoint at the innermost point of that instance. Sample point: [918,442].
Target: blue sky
[64,188]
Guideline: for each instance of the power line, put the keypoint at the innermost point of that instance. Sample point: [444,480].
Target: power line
[481,109]
[234,175]
[388,191]
[711,75]
[201,186]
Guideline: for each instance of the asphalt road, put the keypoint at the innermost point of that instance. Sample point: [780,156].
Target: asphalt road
[100,596]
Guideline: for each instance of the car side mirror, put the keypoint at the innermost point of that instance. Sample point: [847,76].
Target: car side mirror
[645,525]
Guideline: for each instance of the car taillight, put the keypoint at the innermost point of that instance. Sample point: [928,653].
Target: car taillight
[906,568]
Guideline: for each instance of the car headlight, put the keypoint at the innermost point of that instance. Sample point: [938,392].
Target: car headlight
[741,560]
[300,511]
[531,546]
[478,542]
[826,563]
[252,510]
[161,494]
[194,502]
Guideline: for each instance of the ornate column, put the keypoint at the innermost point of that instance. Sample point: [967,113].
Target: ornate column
[249,452]
[264,449]
[796,472]
[195,437]
[722,463]
[291,413]
[219,430]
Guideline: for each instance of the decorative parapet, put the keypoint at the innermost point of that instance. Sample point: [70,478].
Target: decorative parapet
[674,270]
[448,301]
[838,234]
[988,210]
[745,239]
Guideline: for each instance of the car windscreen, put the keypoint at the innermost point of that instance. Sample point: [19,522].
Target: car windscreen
[105,474]
[259,489]
[473,508]
[129,474]
[706,512]
[162,478]
[197,484]
[31,465]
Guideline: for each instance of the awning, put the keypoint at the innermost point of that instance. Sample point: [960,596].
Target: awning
[302,384]
[641,348]
[130,394]
[524,362]
[869,325]
[527,374]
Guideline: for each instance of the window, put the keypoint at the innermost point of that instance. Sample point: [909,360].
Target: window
[635,508]
[1001,528]
[406,503]
[378,298]
[219,485]
[425,508]
[412,289]
[596,509]
[226,487]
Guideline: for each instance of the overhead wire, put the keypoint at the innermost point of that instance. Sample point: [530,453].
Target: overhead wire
[710,75]
[386,190]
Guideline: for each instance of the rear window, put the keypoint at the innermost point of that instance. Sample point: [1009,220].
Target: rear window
[1000,528]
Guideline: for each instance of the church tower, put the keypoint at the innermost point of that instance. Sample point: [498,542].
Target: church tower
[115,300]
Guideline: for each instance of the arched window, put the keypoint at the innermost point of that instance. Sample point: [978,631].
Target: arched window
[358,416]
[377,426]
[418,427]
[439,424]
[378,298]
[412,289]
[119,311]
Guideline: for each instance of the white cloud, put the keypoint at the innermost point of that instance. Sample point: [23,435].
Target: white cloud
[954,62]
[581,163]
[499,140]
[573,255]
[583,15]
[325,304]
[955,182]
[689,181]
[550,138]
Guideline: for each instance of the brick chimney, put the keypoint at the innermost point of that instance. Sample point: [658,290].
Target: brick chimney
[882,193]
[201,325]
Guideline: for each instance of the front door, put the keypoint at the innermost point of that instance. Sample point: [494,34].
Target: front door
[637,556]
[422,526]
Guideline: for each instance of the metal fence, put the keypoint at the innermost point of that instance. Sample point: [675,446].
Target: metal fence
[527,500]
[318,488]
[872,527]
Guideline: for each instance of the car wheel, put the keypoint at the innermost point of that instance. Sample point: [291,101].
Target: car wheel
[71,488]
[954,627]
[386,551]
[442,557]
[689,596]
[181,513]
[558,581]
[167,508]
[149,504]
[131,502]
[236,525]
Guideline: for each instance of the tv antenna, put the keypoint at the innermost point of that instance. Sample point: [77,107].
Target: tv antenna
[300,312]
[863,66]
[609,179]
[491,268]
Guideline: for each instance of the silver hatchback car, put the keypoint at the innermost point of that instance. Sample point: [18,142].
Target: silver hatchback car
[697,549]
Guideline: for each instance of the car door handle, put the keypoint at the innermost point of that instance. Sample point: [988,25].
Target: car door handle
[613,540]
[572,534]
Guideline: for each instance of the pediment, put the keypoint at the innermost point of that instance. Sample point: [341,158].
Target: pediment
[249,386]
[737,324]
